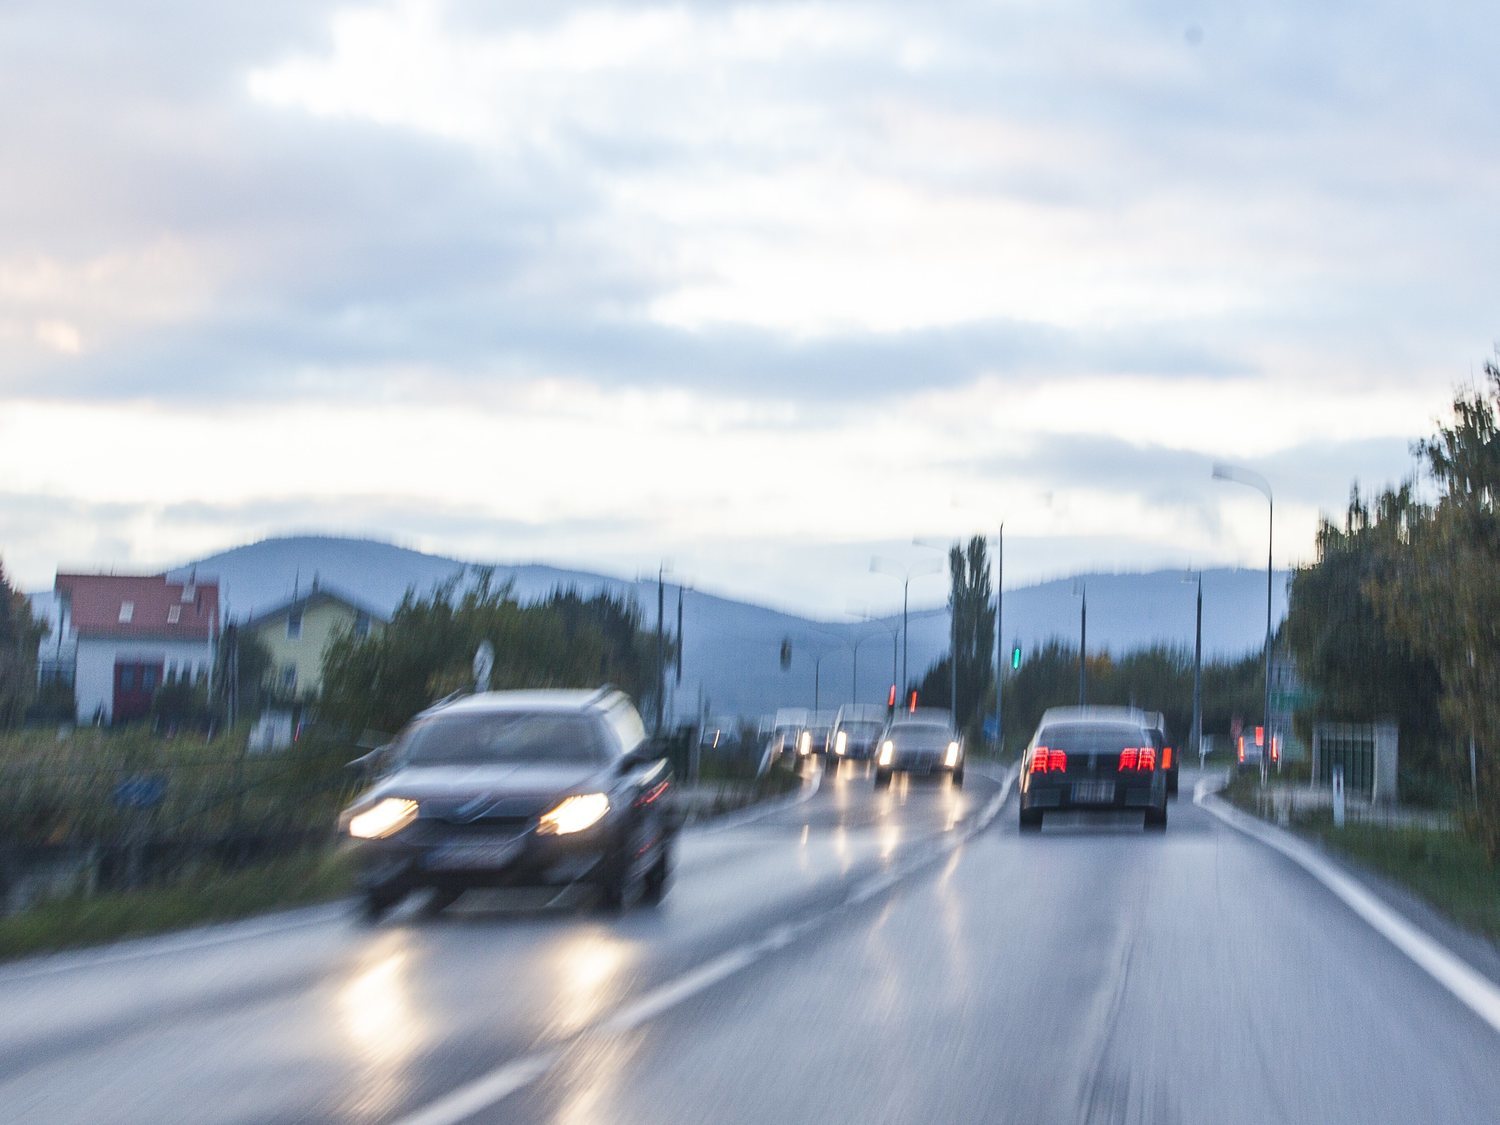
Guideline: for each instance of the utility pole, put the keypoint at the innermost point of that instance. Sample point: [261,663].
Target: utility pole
[999,660]
[1198,676]
[661,685]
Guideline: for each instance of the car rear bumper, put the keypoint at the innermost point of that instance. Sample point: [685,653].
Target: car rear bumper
[1095,794]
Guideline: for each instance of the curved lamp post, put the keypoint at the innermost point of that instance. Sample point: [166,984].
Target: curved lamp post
[880,565]
[1252,479]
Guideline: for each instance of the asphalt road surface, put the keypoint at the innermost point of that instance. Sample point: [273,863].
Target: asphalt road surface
[852,957]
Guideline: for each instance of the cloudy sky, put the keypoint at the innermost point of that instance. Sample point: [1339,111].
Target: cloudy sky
[759,289]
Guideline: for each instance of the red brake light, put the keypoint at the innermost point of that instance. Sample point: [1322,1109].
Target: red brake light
[1137,758]
[1044,760]
[1242,748]
[1127,759]
[1147,758]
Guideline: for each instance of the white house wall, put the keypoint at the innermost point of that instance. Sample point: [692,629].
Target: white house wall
[94,686]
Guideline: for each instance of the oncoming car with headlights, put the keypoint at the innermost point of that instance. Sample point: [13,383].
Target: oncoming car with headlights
[919,744]
[501,789]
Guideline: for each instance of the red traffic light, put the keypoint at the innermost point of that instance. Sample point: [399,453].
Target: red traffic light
[891,702]
[914,702]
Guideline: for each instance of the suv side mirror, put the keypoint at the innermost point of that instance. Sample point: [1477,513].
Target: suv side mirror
[369,762]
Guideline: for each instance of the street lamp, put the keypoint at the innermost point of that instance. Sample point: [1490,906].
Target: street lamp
[1254,480]
[1198,670]
[893,630]
[940,545]
[880,565]
[1080,589]
[853,647]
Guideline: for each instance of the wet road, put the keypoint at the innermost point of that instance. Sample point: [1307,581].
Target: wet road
[857,956]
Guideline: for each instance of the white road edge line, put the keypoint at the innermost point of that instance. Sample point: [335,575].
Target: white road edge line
[205,936]
[511,1077]
[756,812]
[1472,988]
[484,1092]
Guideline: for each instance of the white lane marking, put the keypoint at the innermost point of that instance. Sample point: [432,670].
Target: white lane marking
[202,937]
[484,1092]
[1473,989]
[669,995]
[511,1077]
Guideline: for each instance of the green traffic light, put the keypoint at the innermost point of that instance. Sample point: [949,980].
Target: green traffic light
[1015,658]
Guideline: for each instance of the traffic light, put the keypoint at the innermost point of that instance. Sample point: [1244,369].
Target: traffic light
[1015,659]
[890,704]
[913,703]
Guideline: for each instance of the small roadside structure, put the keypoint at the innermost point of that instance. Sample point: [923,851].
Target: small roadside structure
[1368,754]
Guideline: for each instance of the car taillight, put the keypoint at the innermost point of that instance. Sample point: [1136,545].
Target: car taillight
[1242,748]
[1137,758]
[1044,760]
[1166,758]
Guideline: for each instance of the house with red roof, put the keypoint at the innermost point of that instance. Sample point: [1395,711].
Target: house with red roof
[133,633]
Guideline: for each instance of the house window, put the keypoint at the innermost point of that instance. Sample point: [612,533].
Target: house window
[361,624]
[127,612]
[174,614]
[294,625]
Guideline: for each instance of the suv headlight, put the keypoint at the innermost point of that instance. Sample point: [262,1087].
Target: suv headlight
[804,744]
[840,743]
[383,819]
[573,814]
[887,752]
[952,759]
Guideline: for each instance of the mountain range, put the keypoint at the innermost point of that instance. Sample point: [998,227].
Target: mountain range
[731,650]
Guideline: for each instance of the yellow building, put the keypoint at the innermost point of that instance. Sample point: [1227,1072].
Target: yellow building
[298,633]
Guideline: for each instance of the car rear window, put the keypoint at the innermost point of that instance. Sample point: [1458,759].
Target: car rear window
[1091,738]
[510,736]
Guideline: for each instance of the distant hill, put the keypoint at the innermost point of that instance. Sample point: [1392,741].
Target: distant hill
[731,649]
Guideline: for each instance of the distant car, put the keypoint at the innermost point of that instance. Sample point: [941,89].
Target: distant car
[856,731]
[820,727]
[1166,752]
[917,744]
[1249,751]
[1093,759]
[535,788]
[790,736]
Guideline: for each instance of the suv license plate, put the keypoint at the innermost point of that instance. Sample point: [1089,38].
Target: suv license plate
[460,857]
[1094,792]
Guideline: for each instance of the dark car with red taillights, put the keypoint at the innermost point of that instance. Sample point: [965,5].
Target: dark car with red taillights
[1093,759]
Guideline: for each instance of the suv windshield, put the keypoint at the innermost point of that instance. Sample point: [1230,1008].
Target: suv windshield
[921,734]
[507,736]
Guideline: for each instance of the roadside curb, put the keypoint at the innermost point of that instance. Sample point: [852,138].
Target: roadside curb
[1470,986]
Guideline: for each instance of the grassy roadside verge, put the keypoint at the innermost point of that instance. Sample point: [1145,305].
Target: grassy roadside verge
[72,922]
[1447,870]
[77,921]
